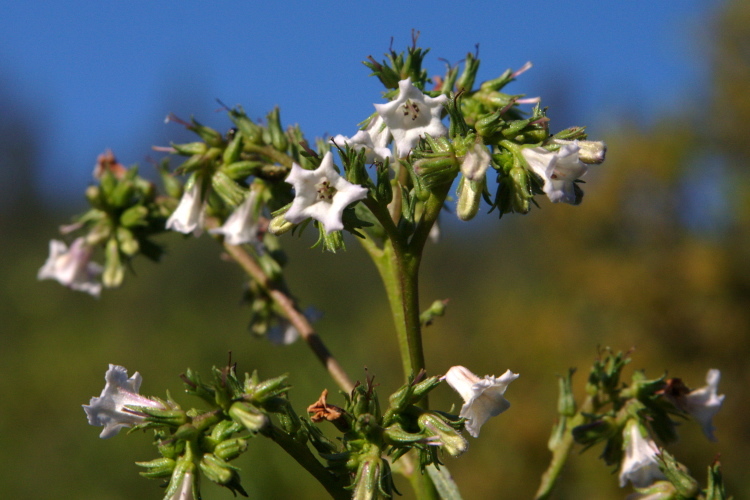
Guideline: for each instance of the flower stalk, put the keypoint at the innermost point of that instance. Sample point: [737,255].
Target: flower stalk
[293,314]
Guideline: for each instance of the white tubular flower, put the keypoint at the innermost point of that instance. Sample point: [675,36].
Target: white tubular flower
[483,397]
[185,490]
[242,226]
[702,404]
[189,214]
[412,115]
[639,466]
[558,170]
[321,194]
[373,139]
[72,267]
[109,410]
[475,162]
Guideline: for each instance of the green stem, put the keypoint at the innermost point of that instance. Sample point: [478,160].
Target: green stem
[399,269]
[303,456]
[561,451]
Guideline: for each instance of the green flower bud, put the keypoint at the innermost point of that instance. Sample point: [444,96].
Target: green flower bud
[469,196]
[158,468]
[224,430]
[449,438]
[466,80]
[249,416]
[114,271]
[128,243]
[197,162]
[216,469]
[251,132]
[241,169]
[434,172]
[566,403]
[229,190]
[571,133]
[678,475]
[260,392]
[122,193]
[489,124]
[231,448]
[276,134]
[279,225]
[233,150]
[211,136]
[660,490]
[190,148]
[134,216]
[395,435]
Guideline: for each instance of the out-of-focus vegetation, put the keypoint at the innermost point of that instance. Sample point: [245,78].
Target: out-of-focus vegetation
[657,258]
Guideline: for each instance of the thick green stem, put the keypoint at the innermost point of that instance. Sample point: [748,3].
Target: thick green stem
[399,269]
[302,454]
[561,451]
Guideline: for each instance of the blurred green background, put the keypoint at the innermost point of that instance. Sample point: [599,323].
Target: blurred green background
[657,258]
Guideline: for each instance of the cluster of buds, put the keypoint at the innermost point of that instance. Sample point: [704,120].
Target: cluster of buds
[631,418]
[195,444]
[125,213]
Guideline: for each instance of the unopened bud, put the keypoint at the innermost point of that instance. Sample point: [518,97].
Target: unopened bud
[591,152]
[678,475]
[249,416]
[216,469]
[160,467]
[114,271]
[231,448]
[449,438]
[469,197]
[520,193]
[279,225]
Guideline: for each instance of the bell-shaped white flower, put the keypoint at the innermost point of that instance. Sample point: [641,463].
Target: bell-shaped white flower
[109,410]
[558,169]
[702,404]
[412,115]
[373,139]
[242,225]
[72,267]
[189,214]
[483,397]
[639,466]
[321,194]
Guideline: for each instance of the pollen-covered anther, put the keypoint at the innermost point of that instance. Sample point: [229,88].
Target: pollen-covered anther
[325,191]
[411,109]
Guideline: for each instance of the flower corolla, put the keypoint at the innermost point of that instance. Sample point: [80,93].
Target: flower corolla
[72,267]
[242,225]
[483,397]
[412,115]
[702,404]
[559,170]
[639,466]
[373,139]
[189,214]
[321,194]
[109,409]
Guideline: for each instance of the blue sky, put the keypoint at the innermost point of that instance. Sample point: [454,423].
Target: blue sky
[102,75]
